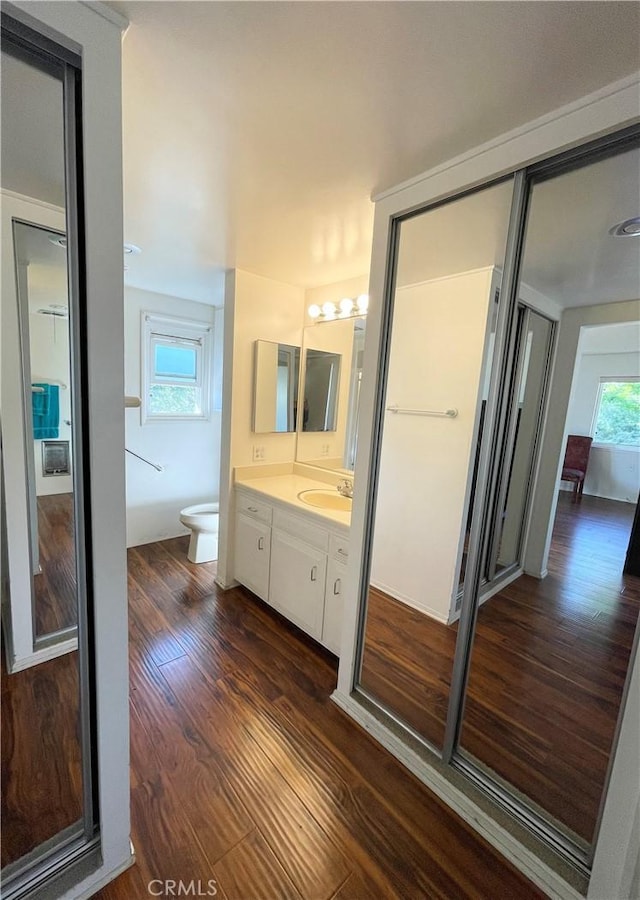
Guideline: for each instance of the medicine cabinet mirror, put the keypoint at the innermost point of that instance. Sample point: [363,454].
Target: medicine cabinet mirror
[275,387]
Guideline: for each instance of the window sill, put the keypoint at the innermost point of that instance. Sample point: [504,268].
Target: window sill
[629,448]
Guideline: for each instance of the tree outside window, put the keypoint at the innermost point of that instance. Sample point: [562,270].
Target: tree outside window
[617,418]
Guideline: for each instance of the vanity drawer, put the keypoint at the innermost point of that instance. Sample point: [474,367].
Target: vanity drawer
[301,529]
[339,548]
[248,505]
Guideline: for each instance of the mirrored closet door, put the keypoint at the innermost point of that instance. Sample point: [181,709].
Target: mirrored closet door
[447,280]
[498,618]
[48,799]
[553,638]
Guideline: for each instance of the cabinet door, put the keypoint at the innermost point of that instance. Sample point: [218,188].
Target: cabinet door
[296,587]
[252,551]
[332,624]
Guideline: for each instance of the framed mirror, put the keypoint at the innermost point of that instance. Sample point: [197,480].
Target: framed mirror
[276,379]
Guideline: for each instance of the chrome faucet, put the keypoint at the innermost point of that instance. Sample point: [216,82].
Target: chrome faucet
[345,487]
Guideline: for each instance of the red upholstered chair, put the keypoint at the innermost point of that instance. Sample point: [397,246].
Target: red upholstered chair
[576,460]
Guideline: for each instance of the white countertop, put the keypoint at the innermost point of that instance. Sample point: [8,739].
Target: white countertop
[285,489]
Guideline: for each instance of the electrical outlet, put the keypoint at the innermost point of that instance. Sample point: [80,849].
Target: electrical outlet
[324,450]
[258,452]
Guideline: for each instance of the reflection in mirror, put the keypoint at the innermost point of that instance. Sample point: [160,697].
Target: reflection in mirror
[448,273]
[552,647]
[41,267]
[321,380]
[43,779]
[326,343]
[275,392]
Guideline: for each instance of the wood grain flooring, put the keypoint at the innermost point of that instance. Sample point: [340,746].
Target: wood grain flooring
[55,586]
[245,773]
[548,666]
[41,757]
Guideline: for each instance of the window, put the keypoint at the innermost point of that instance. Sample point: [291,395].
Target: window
[176,368]
[617,416]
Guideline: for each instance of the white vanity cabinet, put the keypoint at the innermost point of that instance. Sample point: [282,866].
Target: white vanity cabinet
[294,562]
[253,545]
[296,586]
[336,573]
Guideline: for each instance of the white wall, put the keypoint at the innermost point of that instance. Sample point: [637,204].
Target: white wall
[256,308]
[437,349]
[270,311]
[189,452]
[612,472]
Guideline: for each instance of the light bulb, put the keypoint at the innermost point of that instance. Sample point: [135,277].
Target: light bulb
[314,311]
[329,309]
[346,305]
[363,303]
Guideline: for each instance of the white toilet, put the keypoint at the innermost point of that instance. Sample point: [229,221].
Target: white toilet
[202,519]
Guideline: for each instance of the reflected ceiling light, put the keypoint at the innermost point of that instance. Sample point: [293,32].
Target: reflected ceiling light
[628,228]
[347,308]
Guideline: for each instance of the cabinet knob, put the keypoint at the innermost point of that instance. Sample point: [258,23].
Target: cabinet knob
[342,552]
[314,573]
[260,543]
[252,508]
[337,586]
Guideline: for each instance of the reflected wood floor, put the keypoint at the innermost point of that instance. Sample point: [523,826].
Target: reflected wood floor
[548,666]
[41,758]
[55,586]
[243,770]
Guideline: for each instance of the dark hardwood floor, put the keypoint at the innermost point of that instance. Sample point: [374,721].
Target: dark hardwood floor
[41,758]
[548,666]
[243,770]
[55,586]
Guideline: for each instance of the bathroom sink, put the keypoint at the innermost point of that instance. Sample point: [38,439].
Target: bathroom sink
[325,500]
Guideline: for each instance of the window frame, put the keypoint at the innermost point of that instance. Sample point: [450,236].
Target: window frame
[158,329]
[608,445]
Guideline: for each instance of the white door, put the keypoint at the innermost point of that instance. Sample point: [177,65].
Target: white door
[297,582]
[252,553]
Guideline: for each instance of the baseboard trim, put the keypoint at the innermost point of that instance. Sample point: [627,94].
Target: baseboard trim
[412,604]
[108,877]
[40,656]
[515,852]
[226,587]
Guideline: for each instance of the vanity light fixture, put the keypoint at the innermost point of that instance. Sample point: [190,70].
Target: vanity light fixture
[347,308]
[628,228]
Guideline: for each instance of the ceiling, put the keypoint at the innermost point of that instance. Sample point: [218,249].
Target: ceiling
[47,266]
[32,132]
[255,133]
[569,255]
